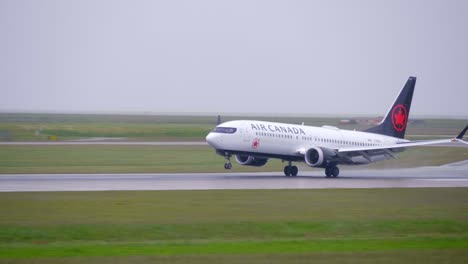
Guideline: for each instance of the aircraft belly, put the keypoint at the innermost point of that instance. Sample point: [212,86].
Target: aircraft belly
[263,146]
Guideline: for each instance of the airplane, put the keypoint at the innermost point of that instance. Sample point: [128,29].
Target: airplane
[253,142]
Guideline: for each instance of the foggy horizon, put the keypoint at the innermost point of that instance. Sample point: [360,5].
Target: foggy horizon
[230,114]
[286,58]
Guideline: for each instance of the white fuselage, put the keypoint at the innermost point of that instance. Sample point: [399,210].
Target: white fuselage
[262,138]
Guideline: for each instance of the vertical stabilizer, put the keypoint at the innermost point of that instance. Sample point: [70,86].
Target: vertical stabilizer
[396,119]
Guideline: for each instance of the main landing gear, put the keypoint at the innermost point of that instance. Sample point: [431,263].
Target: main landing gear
[332,171]
[228,164]
[290,170]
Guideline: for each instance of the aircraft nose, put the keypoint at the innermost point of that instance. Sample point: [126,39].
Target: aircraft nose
[213,139]
[210,138]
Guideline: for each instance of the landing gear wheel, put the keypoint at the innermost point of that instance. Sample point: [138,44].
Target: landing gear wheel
[227,166]
[335,172]
[332,171]
[290,170]
[294,170]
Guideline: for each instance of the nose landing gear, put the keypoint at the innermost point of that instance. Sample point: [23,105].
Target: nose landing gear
[228,164]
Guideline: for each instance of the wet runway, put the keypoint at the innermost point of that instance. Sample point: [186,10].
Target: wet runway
[107,143]
[455,175]
[145,143]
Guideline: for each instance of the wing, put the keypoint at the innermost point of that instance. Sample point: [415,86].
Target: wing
[390,150]
[397,146]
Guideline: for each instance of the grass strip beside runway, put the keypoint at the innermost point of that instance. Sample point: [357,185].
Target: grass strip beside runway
[38,127]
[115,159]
[186,226]
[163,159]
[242,247]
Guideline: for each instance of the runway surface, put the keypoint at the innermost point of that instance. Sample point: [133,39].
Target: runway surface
[146,143]
[125,143]
[453,175]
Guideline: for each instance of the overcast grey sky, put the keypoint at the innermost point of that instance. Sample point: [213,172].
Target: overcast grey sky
[274,57]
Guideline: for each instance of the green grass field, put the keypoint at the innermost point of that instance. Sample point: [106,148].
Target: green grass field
[146,159]
[263,226]
[73,131]
[114,159]
[23,127]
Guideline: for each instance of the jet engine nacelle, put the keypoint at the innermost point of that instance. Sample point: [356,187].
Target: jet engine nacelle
[251,161]
[317,156]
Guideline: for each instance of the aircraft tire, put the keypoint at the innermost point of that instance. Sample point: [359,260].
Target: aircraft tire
[294,170]
[335,171]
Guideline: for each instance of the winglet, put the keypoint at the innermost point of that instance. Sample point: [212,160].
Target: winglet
[460,136]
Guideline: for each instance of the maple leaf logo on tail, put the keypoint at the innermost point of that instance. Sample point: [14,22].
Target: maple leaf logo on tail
[399,117]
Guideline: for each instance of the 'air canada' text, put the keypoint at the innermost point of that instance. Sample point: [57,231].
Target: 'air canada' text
[277,129]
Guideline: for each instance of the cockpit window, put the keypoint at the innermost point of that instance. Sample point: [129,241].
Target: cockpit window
[225,130]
